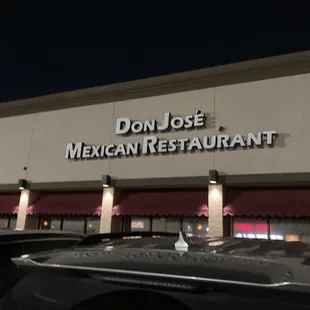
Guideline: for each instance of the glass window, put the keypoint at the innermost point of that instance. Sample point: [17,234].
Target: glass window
[196,226]
[32,221]
[55,223]
[74,224]
[4,222]
[140,224]
[250,228]
[159,224]
[173,224]
[45,222]
[92,225]
[12,223]
[290,229]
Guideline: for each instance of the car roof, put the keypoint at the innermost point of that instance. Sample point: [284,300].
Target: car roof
[6,231]
[228,246]
[162,253]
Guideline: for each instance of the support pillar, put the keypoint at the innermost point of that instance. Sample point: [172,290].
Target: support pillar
[106,211]
[215,205]
[22,210]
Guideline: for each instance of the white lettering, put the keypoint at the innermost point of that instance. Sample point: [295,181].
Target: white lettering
[95,151]
[270,135]
[137,127]
[125,125]
[102,152]
[222,141]
[149,145]
[165,123]
[109,150]
[149,126]
[194,144]
[172,145]
[133,148]
[199,119]
[254,139]
[189,121]
[122,126]
[86,153]
[209,145]
[162,146]
[183,143]
[177,122]
[120,150]
[237,140]
[154,145]
[74,151]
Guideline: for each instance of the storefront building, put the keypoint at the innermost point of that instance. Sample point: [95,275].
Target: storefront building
[219,151]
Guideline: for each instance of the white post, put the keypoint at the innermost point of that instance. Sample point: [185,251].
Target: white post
[215,205]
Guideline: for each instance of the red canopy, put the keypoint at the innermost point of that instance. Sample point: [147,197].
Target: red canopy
[268,202]
[163,203]
[9,204]
[67,203]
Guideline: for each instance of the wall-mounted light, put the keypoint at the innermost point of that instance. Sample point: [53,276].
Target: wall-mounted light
[106,181]
[22,184]
[213,177]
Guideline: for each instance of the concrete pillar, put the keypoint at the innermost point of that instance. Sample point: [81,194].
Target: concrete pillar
[106,211]
[215,205]
[22,210]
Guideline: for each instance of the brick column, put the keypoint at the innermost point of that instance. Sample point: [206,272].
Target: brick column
[106,211]
[215,204]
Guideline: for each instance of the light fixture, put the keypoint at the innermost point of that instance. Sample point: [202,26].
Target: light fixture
[106,181]
[213,177]
[22,184]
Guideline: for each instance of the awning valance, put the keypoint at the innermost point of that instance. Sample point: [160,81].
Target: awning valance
[163,203]
[9,203]
[268,202]
[67,203]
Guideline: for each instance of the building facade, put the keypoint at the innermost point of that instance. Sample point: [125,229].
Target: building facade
[158,139]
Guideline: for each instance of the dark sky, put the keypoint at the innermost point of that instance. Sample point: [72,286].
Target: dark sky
[41,54]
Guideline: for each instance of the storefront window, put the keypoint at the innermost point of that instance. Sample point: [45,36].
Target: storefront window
[45,222]
[290,229]
[55,223]
[92,225]
[8,222]
[280,229]
[250,228]
[32,222]
[159,224]
[4,222]
[173,224]
[196,226]
[69,223]
[74,224]
[12,223]
[140,224]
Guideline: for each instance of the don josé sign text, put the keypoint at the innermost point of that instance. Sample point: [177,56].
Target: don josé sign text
[151,144]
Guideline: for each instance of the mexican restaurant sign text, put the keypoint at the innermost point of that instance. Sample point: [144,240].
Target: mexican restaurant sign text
[151,144]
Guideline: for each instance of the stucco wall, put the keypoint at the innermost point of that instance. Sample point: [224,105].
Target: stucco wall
[39,141]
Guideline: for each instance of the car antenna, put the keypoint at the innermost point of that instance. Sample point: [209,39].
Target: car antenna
[181,245]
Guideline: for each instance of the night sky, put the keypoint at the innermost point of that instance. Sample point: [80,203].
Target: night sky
[42,54]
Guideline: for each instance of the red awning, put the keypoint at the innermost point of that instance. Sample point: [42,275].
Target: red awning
[9,204]
[67,203]
[268,202]
[180,203]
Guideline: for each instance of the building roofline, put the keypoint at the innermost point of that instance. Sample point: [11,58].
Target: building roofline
[247,71]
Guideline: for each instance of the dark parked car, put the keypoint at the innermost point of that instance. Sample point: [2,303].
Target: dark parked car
[162,270]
